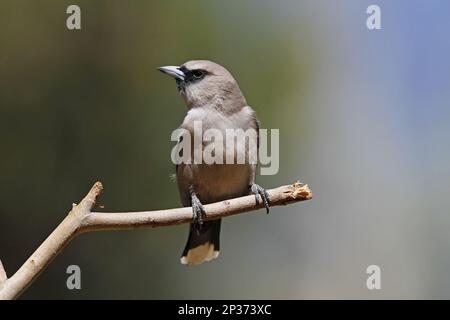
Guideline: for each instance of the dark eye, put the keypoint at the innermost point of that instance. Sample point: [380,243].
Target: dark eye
[198,74]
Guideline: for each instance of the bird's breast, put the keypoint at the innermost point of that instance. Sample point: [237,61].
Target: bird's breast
[217,181]
[214,183]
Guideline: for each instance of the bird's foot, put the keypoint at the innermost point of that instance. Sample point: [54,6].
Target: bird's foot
[198,211]
[258,190]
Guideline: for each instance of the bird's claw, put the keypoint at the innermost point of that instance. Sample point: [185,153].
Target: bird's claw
[258,190]
[198,210]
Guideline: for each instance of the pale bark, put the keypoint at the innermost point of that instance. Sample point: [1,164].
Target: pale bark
[81,219]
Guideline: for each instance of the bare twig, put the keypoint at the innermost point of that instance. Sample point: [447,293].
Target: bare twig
[3,276]
[80,219]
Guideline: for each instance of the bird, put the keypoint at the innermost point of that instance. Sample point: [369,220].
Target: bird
[213,98]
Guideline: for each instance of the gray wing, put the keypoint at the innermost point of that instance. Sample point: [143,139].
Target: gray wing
[254,167]
[182,173]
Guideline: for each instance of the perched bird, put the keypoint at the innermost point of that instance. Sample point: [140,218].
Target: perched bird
[214,99]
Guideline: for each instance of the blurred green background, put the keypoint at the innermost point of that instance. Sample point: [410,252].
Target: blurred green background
[363,118]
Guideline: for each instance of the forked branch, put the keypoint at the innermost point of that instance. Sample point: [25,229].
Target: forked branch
[81,219]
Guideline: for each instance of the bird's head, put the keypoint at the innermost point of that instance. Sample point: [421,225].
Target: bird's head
[205,83]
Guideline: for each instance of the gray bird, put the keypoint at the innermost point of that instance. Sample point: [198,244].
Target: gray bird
[213,97]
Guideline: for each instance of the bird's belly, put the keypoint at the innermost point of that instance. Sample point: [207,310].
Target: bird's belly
[219,182]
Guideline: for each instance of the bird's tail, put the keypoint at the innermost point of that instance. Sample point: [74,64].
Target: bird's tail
[202,245]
